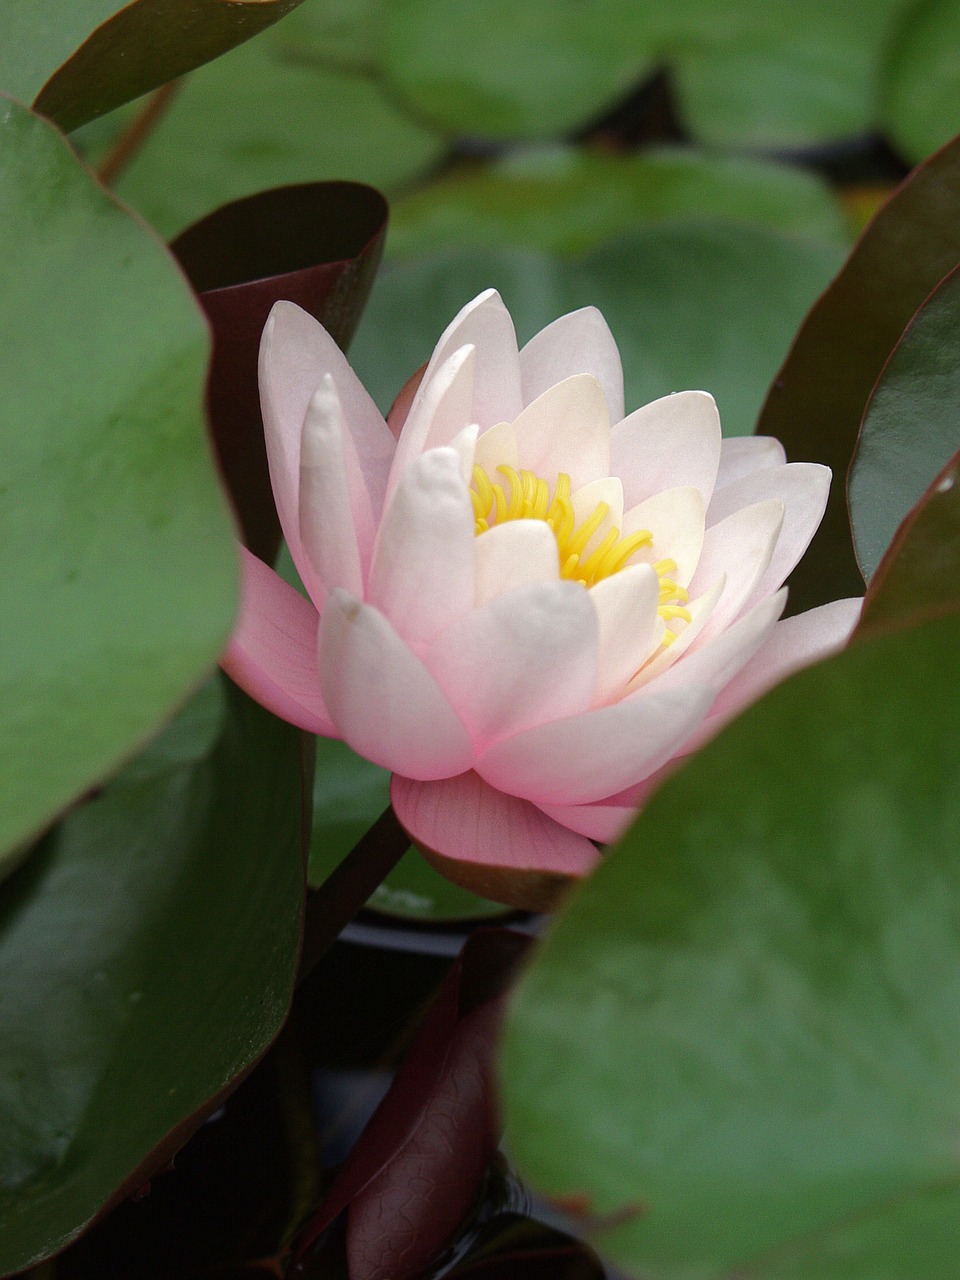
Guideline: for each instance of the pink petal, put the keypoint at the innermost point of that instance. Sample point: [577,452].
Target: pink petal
[295,353]
[516,554]
[804,487]
[739,547]
[580,342]
[467,821]
[742,455]
[672,442]
[793,643]
[442,408]
[587,757]
[626,604]
[567,428]
[384,702]
[601,822]
[272,654]
[523,658]
[422,572]
[484,323]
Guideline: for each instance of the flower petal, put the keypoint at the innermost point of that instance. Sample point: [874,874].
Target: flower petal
[601,822]
[804,487]
[718,661]
[494,844]
[330,505]
[498,447]
[272,654]
[671,442]
[516,554]
[384,702]
[567,428]
[742,455]
[739,547]
[484,323]
[295,352]
[422,572]
[700,609]
[626,605]
[580,342]
[441,409]
[590,756]
[519,660]
[675,518]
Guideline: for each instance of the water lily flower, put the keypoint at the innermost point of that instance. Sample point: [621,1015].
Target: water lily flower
[522,602]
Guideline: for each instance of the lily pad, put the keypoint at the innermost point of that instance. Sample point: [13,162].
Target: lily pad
[737,1051]
[566,201]
[147,958]
[120,581]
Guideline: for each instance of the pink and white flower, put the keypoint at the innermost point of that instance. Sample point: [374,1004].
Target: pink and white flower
[523,604]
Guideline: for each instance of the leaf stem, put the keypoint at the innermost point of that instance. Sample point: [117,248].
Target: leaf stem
[331,907]
[136,133]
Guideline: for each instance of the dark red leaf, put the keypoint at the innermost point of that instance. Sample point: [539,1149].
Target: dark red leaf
[419,1164]
[317,244]
[817,399]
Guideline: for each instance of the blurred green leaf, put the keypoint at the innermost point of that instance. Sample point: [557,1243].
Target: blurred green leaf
[692,305]
[332,33]
[120,581]
[567,201]
[147,958]
[349,795]
[747,72]
[921,91]
[911,427]
[741,1038]
[261,117]
[817,399]
[85,58]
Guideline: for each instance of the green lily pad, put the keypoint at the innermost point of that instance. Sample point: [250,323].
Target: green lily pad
[739,1045]
[148,953]
[566,201]
[263,116]
[120,582]
[910,428]
[921,91]
[83,59]
[692,305]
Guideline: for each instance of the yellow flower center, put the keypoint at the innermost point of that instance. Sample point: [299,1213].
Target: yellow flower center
[525,496]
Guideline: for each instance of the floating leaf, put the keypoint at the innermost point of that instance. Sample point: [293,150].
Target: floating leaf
[910,427]
[147,952]
[120,579]
[737,1050]
[817,400]
[921,91]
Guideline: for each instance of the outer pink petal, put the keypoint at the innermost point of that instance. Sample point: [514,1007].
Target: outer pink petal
[567,428]
[422,572]
[601,822]
[670,443]
[523,658]
[742,455]
[588,757]
[484,323]
[793,643]
[580,342]
[272,653]
[804,487]
[295,352]
[442,408]
[330,506]
[384,702]
[466,820]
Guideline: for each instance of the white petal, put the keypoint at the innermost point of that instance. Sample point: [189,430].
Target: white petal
[675,518]
[567,428]
[516,554]
[804,487]
[443,406]
[590,756]
[740,547]
[626,605]
[672,442]
[742,455]
[700,609]
[383,701]
[295,352]
[497,447]
[519,660]
[580,342]
[464,445]
[422,572]
[328,521]
[584,502]
[718,661]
